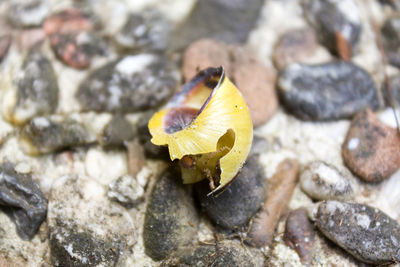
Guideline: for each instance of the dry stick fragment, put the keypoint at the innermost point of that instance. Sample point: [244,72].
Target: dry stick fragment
[343,47]
[280,190]
[136,157]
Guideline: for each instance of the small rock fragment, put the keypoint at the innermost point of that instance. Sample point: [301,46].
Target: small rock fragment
[225,253]
[171,221]
[126,190]
[28,39]
[280,189]
[22,198]
[371,149]
[329,91]
[322,181]
[365,232]
[255,81]
[391,40]
[225,20]
[34,92]
[134,83]
[338,24]
[240,201]
[117,132]
[69,247]
[147,31]
[136,157]
[28,13]
[44,135]
[295,46]
[394,94]
[5,42]
[300,234]
[67,21]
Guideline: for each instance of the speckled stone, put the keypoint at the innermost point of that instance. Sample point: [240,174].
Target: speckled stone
[134,83]
[323,181]
[241,199]
[391,40]
[171,220]
[371,149]
[338,24]
[365,232]
[328,91]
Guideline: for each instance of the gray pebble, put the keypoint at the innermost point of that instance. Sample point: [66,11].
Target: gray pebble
[73,247]
[329,91]
[395,91]
[44,135]
[23,200]
[336,22]
[134,83]
[322,181]
[391,40]
[241,199]
[126,190]
[27,13]
[116,132]
[36,90]
[225,253]
[171,220]
[228,21]
[365,232]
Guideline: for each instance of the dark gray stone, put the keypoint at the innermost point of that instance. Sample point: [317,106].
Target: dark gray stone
[171,220]
[365,232]
[332,18]
[23,200]
[394,95]
[330,91]
[44,135]
[391,40]
[228,21]
[117,132]
[78,248]
[134,83]
[147,31]
[241,199]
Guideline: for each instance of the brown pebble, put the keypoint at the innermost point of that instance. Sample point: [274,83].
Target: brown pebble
[280,189]
[5,42]
[371,149]
[136,157]
[295,46]
[300,234]
[343,46]
[254,80]
[67,21]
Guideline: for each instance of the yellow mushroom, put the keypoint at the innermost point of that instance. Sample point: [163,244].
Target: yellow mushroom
[207,126]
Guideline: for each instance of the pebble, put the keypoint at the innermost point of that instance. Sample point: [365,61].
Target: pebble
[23,200]
[72,37]
[300,234]
[371,149]
[117,132]
[134,83]
[298,46]
[34,91]
[323,181]
[236,205]
[280,189]
[365,232]
[28,13]
[395,91]
[255,81]
[338,24]
[45,135]
[29,38]
[136,157]
[329,91]
[70,247]
[145,31]
[5,42]
[224,253]
[170,220]
[391,40]
[224,20]
[126,190]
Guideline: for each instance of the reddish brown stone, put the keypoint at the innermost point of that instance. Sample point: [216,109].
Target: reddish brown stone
[254,80]
[5,42]
[67,21]
[300,234]
[371,149]
[280,189]
[26,39]
[295,46]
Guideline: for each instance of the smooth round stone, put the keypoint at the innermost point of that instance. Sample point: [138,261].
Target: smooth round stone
[329,91]
[323,181]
